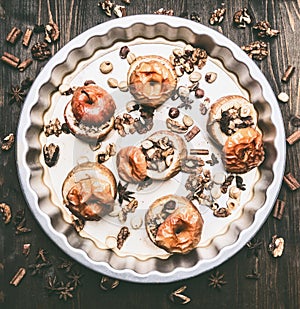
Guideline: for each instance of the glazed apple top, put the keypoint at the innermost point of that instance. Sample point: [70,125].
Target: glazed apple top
[92,105]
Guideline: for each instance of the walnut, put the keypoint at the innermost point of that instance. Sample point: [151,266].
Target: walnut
[6,212]
[264,29]
[122,236]
[276,246]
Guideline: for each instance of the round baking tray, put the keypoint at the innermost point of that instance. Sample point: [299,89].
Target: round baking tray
[77,55]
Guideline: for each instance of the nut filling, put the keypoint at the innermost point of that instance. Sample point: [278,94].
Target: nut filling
[234,119]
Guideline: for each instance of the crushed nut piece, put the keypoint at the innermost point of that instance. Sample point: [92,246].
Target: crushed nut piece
[40,51]
[283,97]
[119,11]
[264,29]
[242,18]
[217,16]
[6,212]
[51,154]
[8,142]
[106,6]
[53,127]
[257,50]
[276,246]
[163,11]
[122,236]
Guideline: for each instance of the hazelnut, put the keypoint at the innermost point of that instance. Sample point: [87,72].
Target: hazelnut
[106,67]
[173,112]
[199,93]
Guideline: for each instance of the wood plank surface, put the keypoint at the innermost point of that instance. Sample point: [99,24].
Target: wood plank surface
[279,283]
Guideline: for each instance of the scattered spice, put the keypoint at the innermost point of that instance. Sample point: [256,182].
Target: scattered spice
[51,154]
[36,269]
[177,296]
[278,209]
[276,246]
[7,142]
[257,50]
[65,290]
[10,59]
[124,194]
[108,283]
[216,280]
[17,94]
[242,18]
[217,16]
[122,236]
[20,223]
[288,73]
[13,36]
[295,121]
[213,161]
[65,265]
[25,64]
[293,138]
[291,181]
[6,212]
[192,133]
[163,11]
[27,37]
[18,277]
[41,255]
[75,279]
[254,274]
[254,245]
[199,152]
[265,30]
[40,51]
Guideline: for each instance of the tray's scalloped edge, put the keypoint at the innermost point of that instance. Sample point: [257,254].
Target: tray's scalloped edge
[269,113]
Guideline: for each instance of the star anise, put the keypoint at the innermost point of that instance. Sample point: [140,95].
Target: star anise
[64,291]
[216,280]
[124,194]
[36,269]
[66,265]
[186,103]
[254,245]
[17,94]
[75,279]
[52,284]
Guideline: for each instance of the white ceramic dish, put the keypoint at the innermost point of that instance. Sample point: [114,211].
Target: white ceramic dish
[139,260]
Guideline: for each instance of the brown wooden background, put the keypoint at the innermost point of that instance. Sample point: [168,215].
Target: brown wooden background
[279,284]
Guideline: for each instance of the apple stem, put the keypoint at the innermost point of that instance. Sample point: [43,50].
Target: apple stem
[89,98]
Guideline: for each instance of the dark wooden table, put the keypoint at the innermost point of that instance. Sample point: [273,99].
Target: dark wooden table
[278,285]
